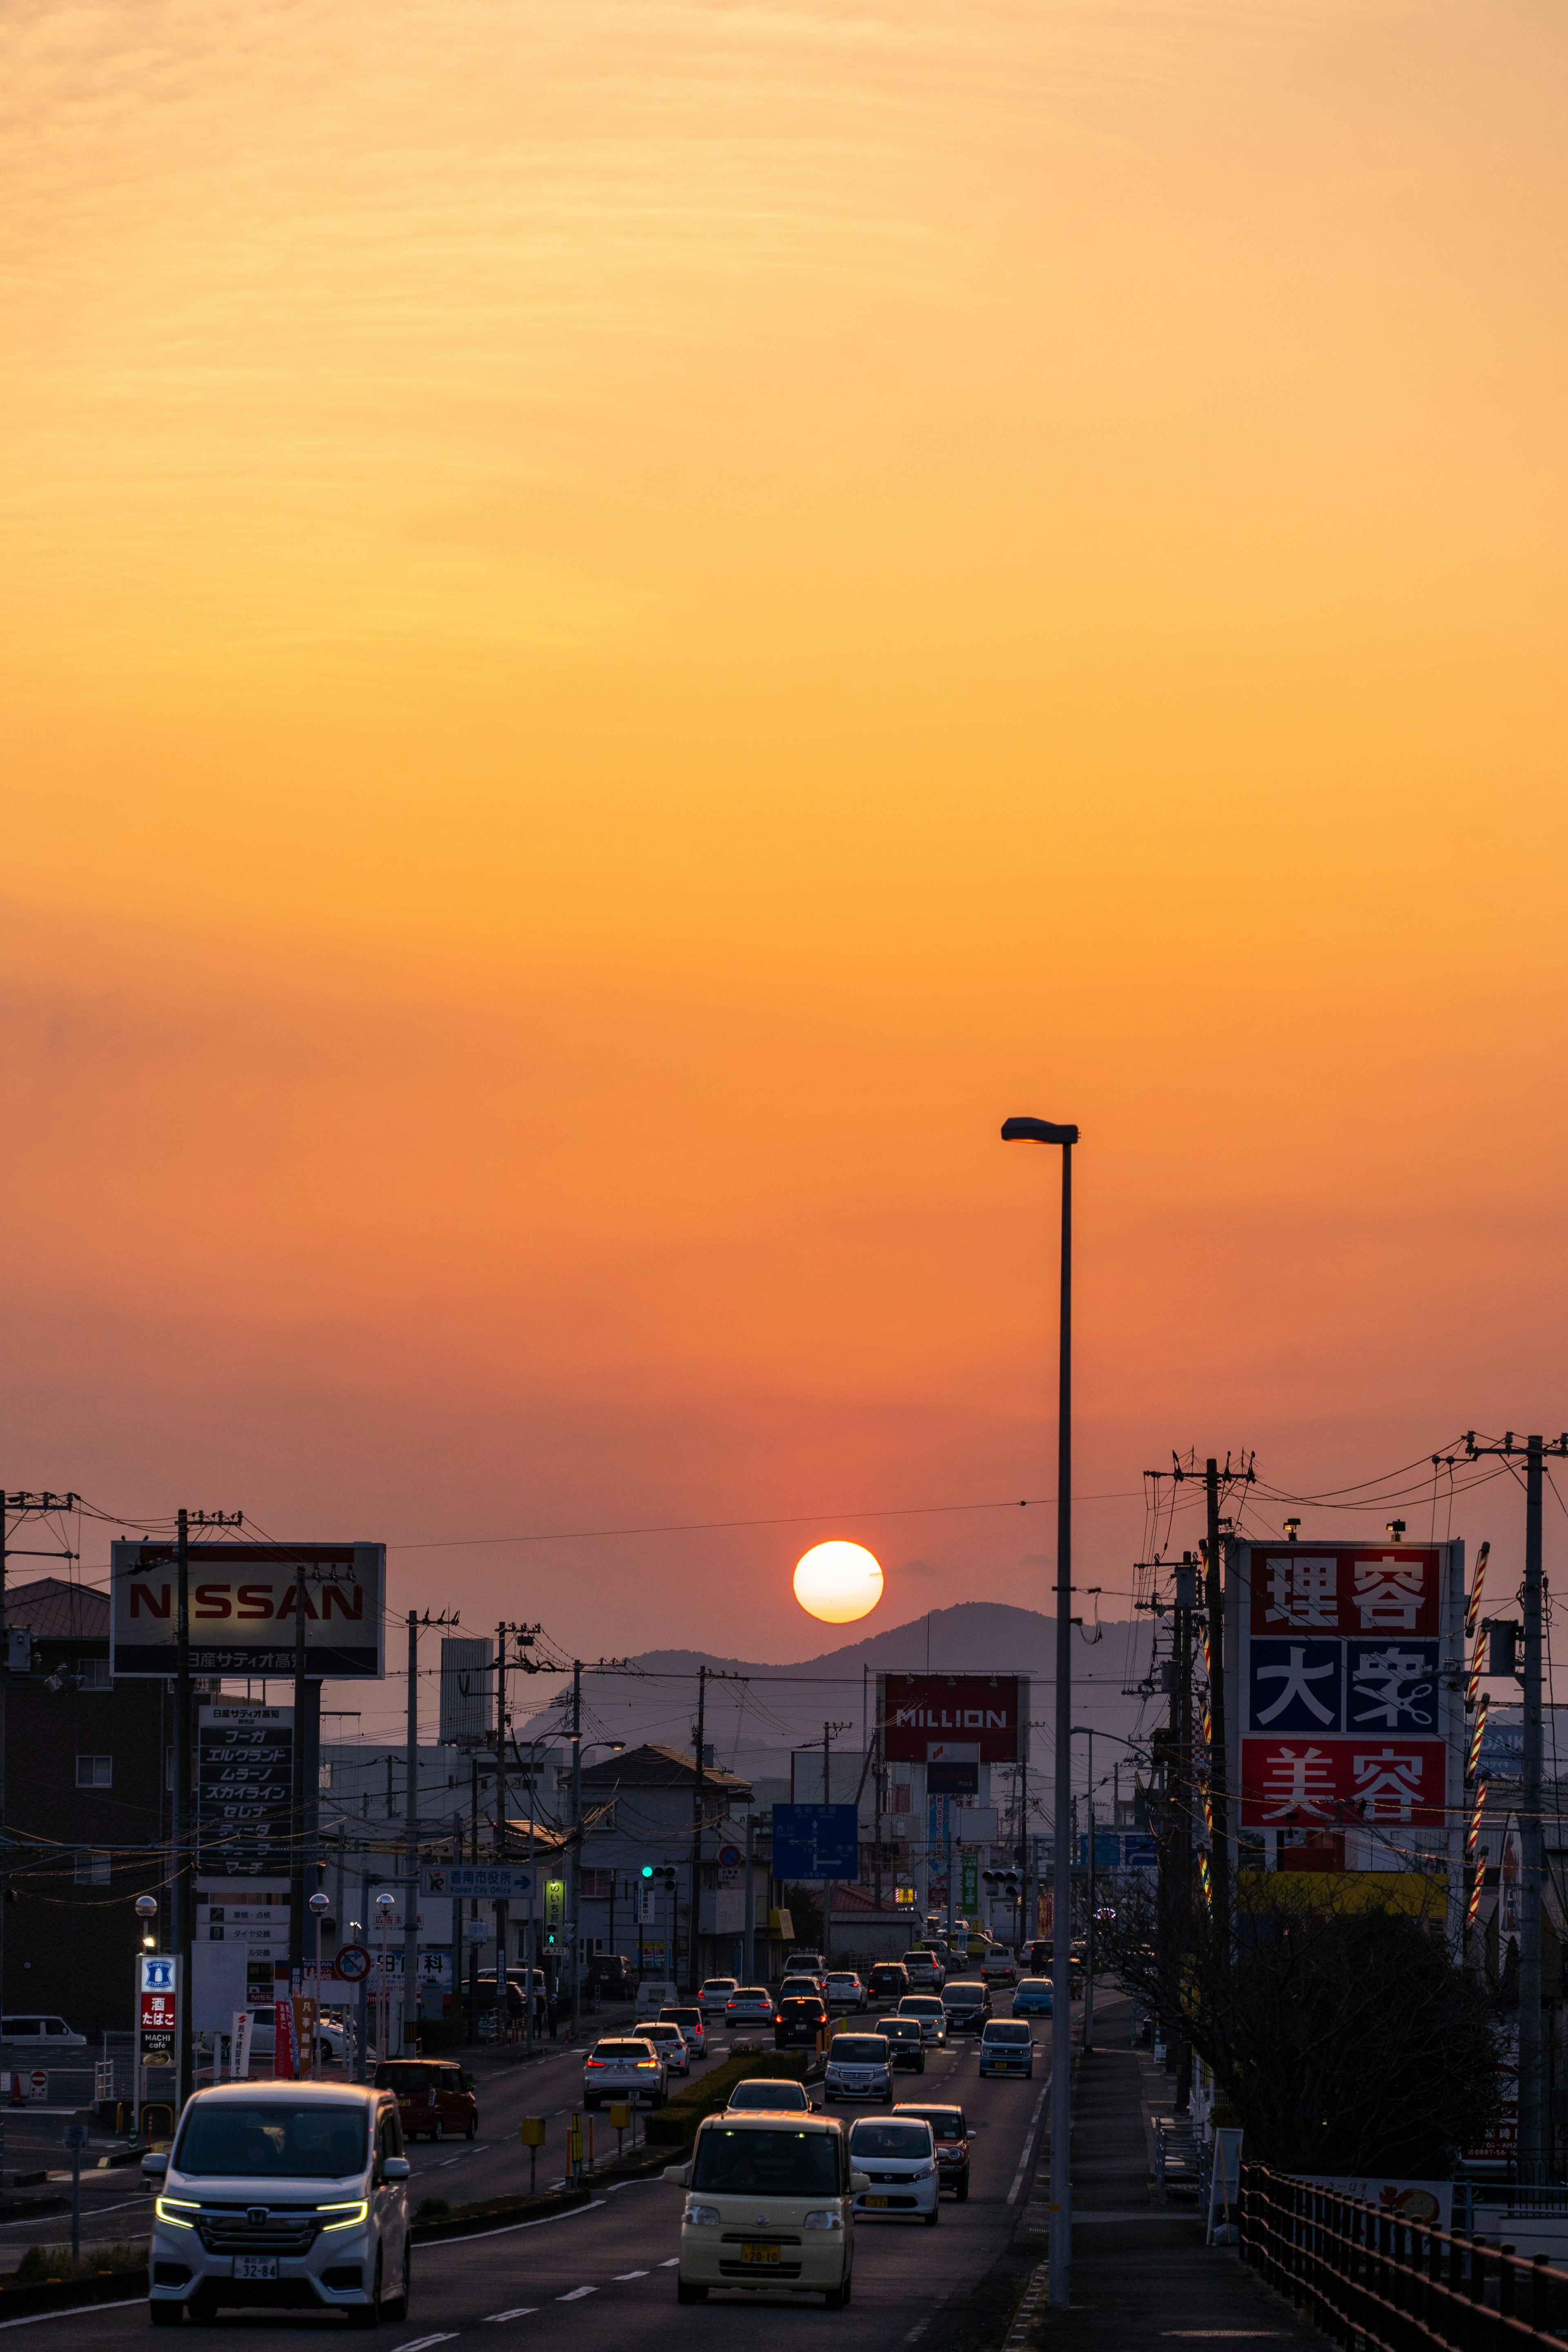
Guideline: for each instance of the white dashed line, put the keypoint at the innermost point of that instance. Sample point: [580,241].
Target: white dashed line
[627,2275]
[419,2343]
[1028,2150]
[917,2332]
[671,2264]
[576,2294]
[523,2311]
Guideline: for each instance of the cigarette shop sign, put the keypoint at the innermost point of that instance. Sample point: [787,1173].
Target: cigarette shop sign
[244,1603]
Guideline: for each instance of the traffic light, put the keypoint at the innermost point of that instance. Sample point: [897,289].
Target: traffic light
[647,1870]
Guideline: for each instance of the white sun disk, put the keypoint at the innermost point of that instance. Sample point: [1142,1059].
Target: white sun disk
[838,1581]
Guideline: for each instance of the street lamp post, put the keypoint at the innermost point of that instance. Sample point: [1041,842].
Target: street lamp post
[1042,1131]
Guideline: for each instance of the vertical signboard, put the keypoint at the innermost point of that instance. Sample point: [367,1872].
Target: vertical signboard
[244,1769]
[1348,1726]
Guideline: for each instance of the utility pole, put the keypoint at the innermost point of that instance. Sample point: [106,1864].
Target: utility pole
[411,1838]
[1181,1808]
[499,1910]
[575,1930]
[1220,1837]
[183,1886]
[1088,1946]
[1534,2133]
[695,1974]
[299,1754]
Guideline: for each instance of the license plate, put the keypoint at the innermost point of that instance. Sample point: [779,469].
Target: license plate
[256,2266]
[758,2254]
[873,2200]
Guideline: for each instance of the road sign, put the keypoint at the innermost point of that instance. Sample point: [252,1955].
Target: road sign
[76,2135]
[729,1857]
[353,1964]
[816,1842]
[499,1883]
[37,2085]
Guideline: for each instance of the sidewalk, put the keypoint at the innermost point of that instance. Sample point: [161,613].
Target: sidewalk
[1141,2275]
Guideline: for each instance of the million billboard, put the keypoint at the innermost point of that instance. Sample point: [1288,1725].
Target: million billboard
[936,1719]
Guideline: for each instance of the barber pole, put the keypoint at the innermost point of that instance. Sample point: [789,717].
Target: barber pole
[1477,1582]
[1474,1758]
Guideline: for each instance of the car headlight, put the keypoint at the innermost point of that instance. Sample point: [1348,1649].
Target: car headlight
[923,2172]
[824,2217]
[173,2209]
[701,2217]
[353,2212]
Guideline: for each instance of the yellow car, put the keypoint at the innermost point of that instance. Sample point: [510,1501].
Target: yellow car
[769,2208]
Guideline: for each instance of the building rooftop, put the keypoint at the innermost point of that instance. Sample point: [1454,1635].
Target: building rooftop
[52,1610]
[655,1767]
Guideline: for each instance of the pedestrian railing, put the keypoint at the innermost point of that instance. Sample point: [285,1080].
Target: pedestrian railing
[1377,2283]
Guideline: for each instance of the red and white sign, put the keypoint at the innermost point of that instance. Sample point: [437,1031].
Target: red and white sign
[39,2084]
[1302,1783]
[157,2013]
[1354,1589]
[986,1715]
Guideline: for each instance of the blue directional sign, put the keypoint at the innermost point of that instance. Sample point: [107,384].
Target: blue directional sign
[816,1841]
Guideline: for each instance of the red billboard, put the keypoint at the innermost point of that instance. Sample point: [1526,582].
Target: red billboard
[1345,1591]
[1304,1783]
[975,1718]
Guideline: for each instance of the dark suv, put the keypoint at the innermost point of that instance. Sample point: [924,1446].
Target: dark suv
[434,2096]
[968,2006]
[951,2136]
[612,1976]
[890,1981]
[800,2018]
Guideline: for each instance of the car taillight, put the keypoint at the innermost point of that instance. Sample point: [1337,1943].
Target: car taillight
[596,2062]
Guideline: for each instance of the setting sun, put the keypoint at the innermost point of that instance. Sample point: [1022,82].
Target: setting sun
[838,1581]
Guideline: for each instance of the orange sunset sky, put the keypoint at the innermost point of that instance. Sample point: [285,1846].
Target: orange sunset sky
[624,625]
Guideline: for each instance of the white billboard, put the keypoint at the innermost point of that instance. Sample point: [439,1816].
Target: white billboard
[245,1600]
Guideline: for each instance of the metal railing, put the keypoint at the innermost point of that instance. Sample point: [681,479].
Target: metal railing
[1377,2283]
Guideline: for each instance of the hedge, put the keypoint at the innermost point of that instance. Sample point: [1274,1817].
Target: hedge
[677,2121]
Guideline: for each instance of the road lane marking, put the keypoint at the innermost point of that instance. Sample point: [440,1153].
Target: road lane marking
[76,2312]
[671,2264]
[419,2343]
[575,2296]
[1024,2161]
[523,2311]
[545,2221]
[627,2275]
[917,2331]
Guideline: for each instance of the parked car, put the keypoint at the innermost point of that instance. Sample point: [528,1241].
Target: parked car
[968,2006]
[1006,2048]
[611,1975]
[1032,1997]
[31,2030]
[999,1967]
[929,2013]
[624,2066]
[714,1993]
[689,2019]
[844,1989]
[890,1981]
[899,2159]
[750,2005]
[799,2019]
[770,2204]
[907,2038]
[434,2098]
[670,2042]
[952,2136]
[275,2190]
[859,2066]
[924,1971]
[771,2094]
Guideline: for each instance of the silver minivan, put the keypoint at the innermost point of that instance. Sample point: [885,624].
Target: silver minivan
[282,2197]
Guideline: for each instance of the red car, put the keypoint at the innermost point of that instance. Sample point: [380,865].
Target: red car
[435,2096]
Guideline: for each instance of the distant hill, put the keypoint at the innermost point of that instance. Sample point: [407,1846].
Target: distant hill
[761,1710]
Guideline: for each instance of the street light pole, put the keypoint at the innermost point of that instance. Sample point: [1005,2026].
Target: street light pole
[1041,1130]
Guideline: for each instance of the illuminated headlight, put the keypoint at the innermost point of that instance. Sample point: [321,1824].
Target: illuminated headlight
[173,2209]
[350,2215]
[824,2219]
[702,2216]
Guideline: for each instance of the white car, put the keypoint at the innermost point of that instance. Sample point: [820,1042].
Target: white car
[750,2005]
[670,2042]
[899,2160]
[844,1989]
[927,2009]
[289,2193]
[998,1966]
[859,2066]
[925,1971]
[624,2066]
[32,2032]
[715,1992]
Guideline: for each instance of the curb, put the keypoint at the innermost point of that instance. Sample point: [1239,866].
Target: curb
[499,2211]
[71,2294]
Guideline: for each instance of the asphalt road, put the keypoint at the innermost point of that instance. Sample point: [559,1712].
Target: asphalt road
[581,2280]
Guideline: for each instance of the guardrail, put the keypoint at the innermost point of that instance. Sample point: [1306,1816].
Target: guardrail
[1377,2283]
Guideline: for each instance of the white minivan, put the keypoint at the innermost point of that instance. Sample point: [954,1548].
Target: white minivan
[281,2197]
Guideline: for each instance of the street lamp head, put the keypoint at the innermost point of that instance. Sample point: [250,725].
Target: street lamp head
[1037,1130]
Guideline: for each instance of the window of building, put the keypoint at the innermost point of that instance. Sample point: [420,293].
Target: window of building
[95,1771]
[92,1870]
[596,1886]
[95,1674]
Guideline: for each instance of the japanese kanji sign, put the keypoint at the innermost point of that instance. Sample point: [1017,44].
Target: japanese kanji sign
[1305,1783]
[1299,1589]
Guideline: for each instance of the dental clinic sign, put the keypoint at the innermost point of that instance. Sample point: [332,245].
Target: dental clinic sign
[1347,1716]
[245,1602]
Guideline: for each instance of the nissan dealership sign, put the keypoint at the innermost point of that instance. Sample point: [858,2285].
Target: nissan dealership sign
[245,1602]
